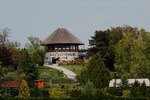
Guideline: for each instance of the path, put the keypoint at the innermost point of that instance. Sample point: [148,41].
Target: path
[67,72]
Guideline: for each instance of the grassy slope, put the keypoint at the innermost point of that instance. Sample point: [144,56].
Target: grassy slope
[45,72]
[75,68]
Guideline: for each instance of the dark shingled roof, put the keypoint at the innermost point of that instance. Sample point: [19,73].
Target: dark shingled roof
[62,36]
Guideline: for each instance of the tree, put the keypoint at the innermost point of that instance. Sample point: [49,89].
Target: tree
[103,43]
[9,55]
[24,90]
[88,91]
[131,56]
[15,57]
[97,73]
[27,66]
[35,50]
[14,44]
[5,57]
[5,32]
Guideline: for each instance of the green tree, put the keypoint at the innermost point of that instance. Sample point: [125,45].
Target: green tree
[130,56]
[24,91]
[97,73]
[15,57]
[27,66]
[99,44]
[103,43]
[57,93]
[88,91]
[35,50]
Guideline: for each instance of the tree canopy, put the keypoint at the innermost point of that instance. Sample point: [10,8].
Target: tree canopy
[35,50]
[103,43]
[131,55]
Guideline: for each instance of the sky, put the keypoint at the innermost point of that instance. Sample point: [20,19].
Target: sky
[39,18]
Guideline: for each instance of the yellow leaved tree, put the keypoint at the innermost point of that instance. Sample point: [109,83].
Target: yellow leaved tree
[24,90]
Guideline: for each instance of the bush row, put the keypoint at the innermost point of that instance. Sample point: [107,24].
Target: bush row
[43,94]
[94,98]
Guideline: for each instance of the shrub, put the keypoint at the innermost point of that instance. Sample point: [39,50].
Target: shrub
[24,90]
[57,93]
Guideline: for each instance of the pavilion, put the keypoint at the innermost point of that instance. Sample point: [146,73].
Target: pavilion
[62,47]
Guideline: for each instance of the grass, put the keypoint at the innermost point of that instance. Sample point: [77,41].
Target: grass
[47,72]
[75,68]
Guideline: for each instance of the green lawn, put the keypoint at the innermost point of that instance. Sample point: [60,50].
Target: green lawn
[47,72]
[75,68]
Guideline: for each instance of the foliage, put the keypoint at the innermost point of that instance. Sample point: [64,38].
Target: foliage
[15,57]
[5,57]
[124,83]
[103,43]
[99,44]
[10,76]
[114,91]
[27,66]
[5,32]
[24,90]
[131,59]
[126,93]
[57,93]
[74,92]
[4,92]
[139,90]
[9,57]
[14,44]
[88,91]
[35,50]
[39,92]
[96,69]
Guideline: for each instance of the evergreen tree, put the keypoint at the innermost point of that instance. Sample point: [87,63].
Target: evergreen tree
[24,90]
[97,72]
[88,91]
[27,66]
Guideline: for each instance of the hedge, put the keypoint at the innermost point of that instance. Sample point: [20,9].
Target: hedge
[94,98]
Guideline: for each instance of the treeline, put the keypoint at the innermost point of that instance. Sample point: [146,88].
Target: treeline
[117,53]
[125,50]
[137,92]
[19,63]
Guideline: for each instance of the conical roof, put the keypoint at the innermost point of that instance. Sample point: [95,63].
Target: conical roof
[62,36]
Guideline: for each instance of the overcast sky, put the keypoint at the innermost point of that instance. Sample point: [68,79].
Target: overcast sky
[39,18]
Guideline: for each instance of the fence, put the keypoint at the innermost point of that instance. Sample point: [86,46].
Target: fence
[52,82]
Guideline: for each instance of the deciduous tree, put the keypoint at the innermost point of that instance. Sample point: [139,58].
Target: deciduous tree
[131,56]
[35,50]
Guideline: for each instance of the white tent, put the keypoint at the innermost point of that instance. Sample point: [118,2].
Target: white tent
[116,82]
